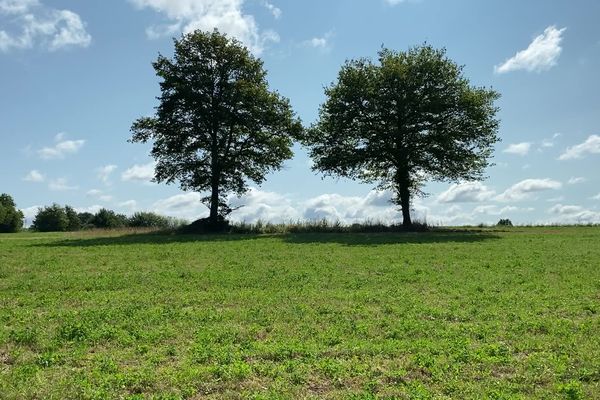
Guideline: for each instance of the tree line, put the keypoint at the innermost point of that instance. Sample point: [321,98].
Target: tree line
[57,218]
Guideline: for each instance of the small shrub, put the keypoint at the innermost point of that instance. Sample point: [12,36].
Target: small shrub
[148,220]
[505,222]
[11,219]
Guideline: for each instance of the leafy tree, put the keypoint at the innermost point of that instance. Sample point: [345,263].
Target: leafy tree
[109,219]
[51,219]
[11,219]
[86,218]
[218,125]
[407,119]
[73,217]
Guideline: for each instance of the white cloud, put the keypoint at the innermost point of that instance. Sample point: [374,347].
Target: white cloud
[185,205]
[570,214]
[91,209]
[225,15]
[590,146]
[265,206]
[276,11]
[527,187]
[29,213]
[104,173]
[466,192]
[549,142]
[34,176]
[100,195]
[61,149]
[596,197]
[520,149]
[322,43]
[48,28]
[144,173]
[541,55]
[576,180]
[60,184]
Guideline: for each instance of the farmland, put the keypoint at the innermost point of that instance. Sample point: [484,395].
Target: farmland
[496,314]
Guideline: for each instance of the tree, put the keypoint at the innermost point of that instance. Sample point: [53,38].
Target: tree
[148,220]
[51,219]
[11,219]
[74,221]
[409,118]
[109,219]
[218,125]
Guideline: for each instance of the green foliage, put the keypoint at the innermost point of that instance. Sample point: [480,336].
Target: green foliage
[149,220]
[505,222]
[109,219]
[11,219]
[55,218]
[217,126]
[51,219]
[74,220]
[477,314]
[409,118]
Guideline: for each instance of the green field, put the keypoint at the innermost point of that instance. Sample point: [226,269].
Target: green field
[441,315]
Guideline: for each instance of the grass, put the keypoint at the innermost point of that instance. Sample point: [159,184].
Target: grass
[440,315]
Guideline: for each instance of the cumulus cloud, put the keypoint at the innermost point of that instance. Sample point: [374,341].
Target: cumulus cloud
[29,214]
[34,176]
[527,187]
[520,149]
[570,214]
[226,15]
[541,55]
[590,146]
[466,192]
[60,184]
[41,26]
[130,205]
[61,149]
[104,173]
[143,173]
[261,205]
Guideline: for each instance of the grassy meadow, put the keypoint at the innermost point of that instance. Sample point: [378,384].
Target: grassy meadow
[485,314]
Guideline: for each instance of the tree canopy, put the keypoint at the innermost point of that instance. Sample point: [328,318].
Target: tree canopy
[411,117]
[217,125]
[11,218]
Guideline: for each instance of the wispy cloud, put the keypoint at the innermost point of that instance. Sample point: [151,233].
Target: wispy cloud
[526,188]
[520,149]
[590,146]
[61,184]
[61,149]
[37,25]
[541,55]
[34,176]
[143,173]
[105,172]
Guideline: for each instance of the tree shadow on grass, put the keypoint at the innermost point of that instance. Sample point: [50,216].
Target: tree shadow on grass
[347,239]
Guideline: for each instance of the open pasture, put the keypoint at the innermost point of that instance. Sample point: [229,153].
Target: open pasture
[511,314]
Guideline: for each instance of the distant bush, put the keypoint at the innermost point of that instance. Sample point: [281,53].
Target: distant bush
[148,220]
[505,222]
[74,220]
[55,218]
[108,219]
[11,219]
[51,219]
[86,220]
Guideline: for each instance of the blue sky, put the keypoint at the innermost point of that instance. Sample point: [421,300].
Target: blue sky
[74,75]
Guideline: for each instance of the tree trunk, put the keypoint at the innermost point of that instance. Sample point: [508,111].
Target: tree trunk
[403,193]
[405,204]
[214,203]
